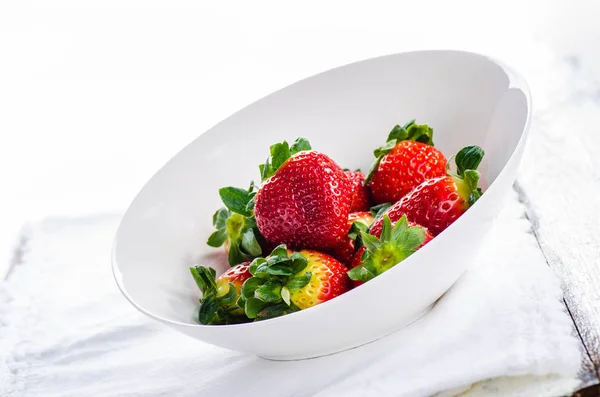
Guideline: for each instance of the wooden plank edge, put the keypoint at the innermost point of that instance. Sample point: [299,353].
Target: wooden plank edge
[590,373]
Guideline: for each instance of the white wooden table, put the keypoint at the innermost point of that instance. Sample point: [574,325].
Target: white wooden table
[95,96]
[559,182]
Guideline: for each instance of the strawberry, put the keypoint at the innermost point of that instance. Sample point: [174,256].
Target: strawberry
[236,226]
[329,279]
[305,198]
[286,282]
[219,303]
[345,249]
[378,255]
[361,197]
[438,202]
[407,159]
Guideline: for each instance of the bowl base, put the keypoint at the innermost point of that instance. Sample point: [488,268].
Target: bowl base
[346,348]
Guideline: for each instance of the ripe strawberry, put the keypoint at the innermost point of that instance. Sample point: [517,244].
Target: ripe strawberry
[328,281]
[378,255]
[407,159]
[288,281]
[236,226]
[437,203]
[361,198]
[305,198]
[219,303]
[344,251]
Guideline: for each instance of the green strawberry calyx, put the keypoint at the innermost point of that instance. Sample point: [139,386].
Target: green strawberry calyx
[267,293]
[279,153]
[356,229]
[467,177]
[378,210]
[409,132]
[393,246]
[236,225]
[218,305]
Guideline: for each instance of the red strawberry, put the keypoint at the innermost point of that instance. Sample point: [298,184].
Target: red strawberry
[305,198]
[437,203]
[378,255]
[329,279]
[345,249]
[283,283]
[361,198]
[219,303]
[407,159]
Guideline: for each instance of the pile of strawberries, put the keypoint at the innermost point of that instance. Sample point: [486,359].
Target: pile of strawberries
[312,231]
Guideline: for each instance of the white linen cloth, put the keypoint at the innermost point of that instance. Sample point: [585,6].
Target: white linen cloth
[65,330]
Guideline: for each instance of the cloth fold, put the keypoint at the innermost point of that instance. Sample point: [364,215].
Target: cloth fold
[65,330]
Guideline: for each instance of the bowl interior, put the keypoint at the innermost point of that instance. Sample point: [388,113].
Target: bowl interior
[345,113]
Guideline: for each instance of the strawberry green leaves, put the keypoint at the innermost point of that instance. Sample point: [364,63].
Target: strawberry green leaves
[467,160]
[279,153]
[240,233]
[236,225]
[411,132]
[219,237]
[215,308]
[207,314]
[356,229]
[249,243]
[394,245]
[471,177]
[298,282]
[299,145]
[378,210]
[204,278]
[237,200]
[267,293]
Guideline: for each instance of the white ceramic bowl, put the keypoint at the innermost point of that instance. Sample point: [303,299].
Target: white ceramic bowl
[345,112]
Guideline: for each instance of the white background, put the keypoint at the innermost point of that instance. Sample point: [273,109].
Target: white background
[96,95]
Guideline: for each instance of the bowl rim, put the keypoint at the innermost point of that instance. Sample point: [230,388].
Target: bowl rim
[516,80]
